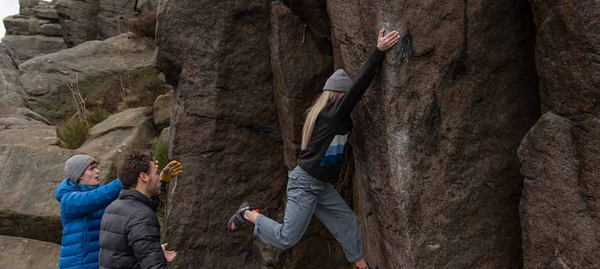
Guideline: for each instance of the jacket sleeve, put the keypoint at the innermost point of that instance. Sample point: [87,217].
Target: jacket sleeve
[77,204]
[143,235]
[346,104]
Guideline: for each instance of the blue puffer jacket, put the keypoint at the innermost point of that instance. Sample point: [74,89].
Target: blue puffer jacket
[81,212]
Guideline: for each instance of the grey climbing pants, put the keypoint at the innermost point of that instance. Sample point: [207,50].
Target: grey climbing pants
[307,196]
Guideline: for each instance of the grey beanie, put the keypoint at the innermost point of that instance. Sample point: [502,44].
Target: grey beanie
[338,82]
[76,165]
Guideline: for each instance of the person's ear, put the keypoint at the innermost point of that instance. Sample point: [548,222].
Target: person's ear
[144,177]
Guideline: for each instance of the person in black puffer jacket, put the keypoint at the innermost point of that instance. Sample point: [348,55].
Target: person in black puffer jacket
[129,230]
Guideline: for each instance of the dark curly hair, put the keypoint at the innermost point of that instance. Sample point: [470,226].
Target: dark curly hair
[133,164]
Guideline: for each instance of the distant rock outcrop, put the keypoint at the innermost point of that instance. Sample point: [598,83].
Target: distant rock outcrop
[34,31]
[101,68]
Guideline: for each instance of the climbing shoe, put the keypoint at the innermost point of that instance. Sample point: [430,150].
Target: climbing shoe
[237,220]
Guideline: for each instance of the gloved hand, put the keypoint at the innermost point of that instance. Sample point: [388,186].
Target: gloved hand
[170,171]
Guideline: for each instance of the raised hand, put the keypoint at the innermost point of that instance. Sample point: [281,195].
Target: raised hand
[172,170]
[386,42]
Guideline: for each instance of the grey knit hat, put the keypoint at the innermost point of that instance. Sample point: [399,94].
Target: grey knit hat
[338,82]
[76,165]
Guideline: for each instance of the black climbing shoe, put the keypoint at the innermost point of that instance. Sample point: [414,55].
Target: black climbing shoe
[237,220]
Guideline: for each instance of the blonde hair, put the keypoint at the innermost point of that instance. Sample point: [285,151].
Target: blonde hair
[313,112]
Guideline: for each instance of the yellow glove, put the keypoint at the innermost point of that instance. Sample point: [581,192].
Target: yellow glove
[170,171]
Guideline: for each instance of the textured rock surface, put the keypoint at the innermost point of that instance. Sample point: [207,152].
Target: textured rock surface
[51,29]
[23,253]
[560,160]
[79,19]
[45,11]
[292,50]
[28,207]
[314,15]
[162,110]
[436,135]
[26,47]
[113,17]
[100,66]
[117,135]
[22,25]
[560,211]
[11,92]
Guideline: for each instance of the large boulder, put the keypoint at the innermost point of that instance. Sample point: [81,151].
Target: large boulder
[27,128]
[28,177]
[224,125]
[23,253]
[436,134]
[119,134]
[560,160]
[101,70]
[560,155]
[78,19]
[26,47]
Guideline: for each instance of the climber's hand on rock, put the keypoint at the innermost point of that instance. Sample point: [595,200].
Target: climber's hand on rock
[386,42]
[169,254]
[170,171]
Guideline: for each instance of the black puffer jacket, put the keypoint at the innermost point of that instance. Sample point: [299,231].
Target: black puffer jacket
[130,234]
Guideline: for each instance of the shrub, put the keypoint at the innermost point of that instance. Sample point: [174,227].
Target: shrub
[160,150]
[74,132]
[144,25]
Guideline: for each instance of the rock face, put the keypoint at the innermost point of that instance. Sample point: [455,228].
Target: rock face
[28,207]
[101,67]
[22,253]
[22,25]
[11,91]
[113,17]
[98,19]
[34,31]
[31,46]
[316,20]
[436,134]
[292,49]
[119,134]
[560,155]
[224,125]
[79,19]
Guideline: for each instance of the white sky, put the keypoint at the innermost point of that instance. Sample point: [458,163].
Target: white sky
[7,8]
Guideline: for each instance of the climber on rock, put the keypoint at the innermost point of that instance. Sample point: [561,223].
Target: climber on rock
[130,231]
[324,136]
[82,202]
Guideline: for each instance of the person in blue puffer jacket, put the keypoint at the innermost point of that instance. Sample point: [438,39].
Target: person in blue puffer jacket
[82,202]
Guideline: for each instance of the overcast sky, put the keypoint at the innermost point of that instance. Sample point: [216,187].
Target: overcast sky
[7,8]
